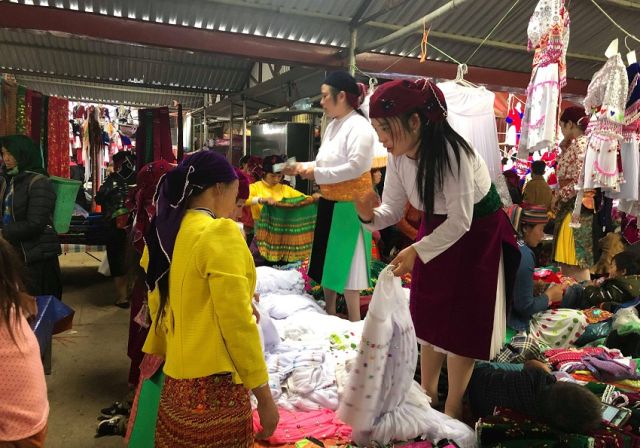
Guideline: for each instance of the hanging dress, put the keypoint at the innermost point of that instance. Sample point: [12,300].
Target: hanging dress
[606,98]
[630,190]
[548,33]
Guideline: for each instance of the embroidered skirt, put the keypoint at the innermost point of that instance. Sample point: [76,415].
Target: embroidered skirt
[208,412]
[341,253]
[284,232]
[453,297]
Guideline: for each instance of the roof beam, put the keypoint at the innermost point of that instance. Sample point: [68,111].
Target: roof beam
[631,4]
[412,27]
[382,11]
[355,20]
[184,91]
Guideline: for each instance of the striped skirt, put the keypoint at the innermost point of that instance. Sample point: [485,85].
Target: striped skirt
[204,412]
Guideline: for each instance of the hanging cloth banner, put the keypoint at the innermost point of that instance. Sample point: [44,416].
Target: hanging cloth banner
[58,137]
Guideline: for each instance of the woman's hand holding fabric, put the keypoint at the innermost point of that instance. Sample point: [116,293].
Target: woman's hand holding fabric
[292,170]
[256,313]
[365,205]
[404,261]
[307,173]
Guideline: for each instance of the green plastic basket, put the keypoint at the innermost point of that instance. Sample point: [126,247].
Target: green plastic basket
[66,193]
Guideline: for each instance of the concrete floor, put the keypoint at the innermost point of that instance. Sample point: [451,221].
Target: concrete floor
[90,363]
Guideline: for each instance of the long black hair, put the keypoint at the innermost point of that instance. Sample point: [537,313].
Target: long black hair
[433,153]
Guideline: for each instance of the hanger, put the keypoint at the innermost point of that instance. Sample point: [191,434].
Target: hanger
[373,83]
[463,69]
[631,56]
[612,49]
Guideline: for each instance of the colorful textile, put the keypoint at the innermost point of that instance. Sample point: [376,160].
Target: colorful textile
[261,190]
[508,429]
[284,231]
[8,107]
[211,412]
[21,111]
[595,315]
[558,328]
[562,358]
[477,254]
[335,240]
[58,137]
[294,426]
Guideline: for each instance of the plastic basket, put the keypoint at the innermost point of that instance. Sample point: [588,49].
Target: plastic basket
[66,193]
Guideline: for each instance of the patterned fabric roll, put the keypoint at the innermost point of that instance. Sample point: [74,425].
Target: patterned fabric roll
[285,231]
[212,412]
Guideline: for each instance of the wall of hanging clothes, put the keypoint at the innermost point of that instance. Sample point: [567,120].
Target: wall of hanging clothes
[154,137]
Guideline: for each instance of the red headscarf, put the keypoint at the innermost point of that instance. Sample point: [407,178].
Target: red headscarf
[400,96]
[243,184]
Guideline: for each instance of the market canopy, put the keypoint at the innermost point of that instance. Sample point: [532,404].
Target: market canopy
[152,52]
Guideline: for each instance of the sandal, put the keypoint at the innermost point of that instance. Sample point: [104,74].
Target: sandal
[122,304]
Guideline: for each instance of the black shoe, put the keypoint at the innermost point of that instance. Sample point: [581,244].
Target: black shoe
[116,426]
[124,305]
[117,408]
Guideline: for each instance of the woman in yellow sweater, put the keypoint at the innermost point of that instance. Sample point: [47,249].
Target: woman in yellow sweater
[270,188]
[204,326]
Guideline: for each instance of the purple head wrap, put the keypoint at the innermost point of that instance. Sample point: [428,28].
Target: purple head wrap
[193,175]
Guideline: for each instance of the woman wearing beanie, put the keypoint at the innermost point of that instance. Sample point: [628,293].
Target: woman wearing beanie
[465,242]
[204,325]
[341,252]
[573,247]
[529,221]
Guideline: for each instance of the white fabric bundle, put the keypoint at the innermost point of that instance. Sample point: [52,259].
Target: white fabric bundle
[277,281]
[381,402]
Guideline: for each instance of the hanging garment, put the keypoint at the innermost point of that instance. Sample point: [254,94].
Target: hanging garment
[630,148]
[36,117]
[58,137]
[381,403]
[548,33]
[28,96]
[21,111]
[514,120]
[470,113]
[8,112]
[606,96]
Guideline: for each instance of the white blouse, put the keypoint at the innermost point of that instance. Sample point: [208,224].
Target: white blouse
[461,191]
[346,151]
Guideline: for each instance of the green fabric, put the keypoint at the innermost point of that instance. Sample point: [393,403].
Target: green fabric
[144,428]
[21,111]
[489,204]
[27,153]
[510,334]
[343,236]
[148,144]
[286,233]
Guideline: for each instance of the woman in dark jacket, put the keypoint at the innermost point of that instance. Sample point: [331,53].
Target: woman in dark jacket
[112,196]
[27,214]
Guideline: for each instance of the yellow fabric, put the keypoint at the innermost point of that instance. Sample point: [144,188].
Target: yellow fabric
[262,190]
[208,324]
[156,341]
[565,244]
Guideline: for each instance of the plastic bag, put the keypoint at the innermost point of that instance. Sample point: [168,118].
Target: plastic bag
[104,268]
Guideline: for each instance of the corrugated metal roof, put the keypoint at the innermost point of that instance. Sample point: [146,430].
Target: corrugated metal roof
[109,94]
[322,22]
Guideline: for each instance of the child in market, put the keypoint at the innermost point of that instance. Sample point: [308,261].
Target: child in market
[535,393]
[622,285]
[24,406]
[270,189]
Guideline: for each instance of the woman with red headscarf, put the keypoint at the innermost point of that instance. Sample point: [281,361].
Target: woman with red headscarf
[573,247]
[465,258]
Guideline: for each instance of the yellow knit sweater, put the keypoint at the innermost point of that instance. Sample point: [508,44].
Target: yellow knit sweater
[208,326]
